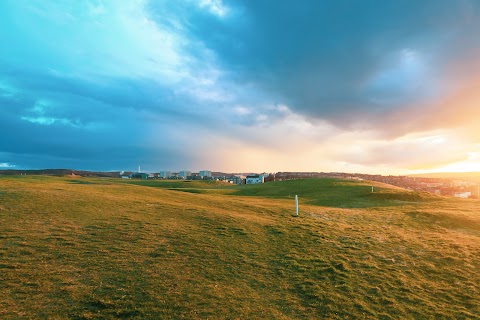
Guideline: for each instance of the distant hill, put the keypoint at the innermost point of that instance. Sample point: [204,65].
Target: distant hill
[452,175]
[61,172]
[83,173]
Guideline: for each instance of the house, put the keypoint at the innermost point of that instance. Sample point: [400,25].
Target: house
[194,176]
[236,179]
[165,174]
[463,195]
[125,175]
[138,175]
[205,174]
[254,179]
[184,174]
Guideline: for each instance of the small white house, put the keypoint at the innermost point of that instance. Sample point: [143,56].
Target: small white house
[463,195]
[254,179]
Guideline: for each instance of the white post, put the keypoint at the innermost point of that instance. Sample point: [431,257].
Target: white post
[296,204]
[372,189]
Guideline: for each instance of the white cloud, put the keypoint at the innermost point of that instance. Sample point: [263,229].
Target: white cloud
[41,106]
[242,111]
[215,7]
[47,121]
[108,39]
[6,165]
[7,90]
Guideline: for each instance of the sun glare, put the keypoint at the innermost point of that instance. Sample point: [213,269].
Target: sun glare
[464,166]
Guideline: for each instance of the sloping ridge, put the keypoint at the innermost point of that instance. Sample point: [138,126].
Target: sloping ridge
[338,193]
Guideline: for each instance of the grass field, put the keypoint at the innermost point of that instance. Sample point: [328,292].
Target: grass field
[110,248]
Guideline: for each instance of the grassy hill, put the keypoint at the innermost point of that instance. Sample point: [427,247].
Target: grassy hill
[337,193]
[322,192]
[110,248]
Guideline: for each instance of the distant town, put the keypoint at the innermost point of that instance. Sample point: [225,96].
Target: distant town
[251,178]
[456,187]
[460,188]
[440,186]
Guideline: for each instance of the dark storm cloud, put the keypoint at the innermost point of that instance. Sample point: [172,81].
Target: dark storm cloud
[53,121]
[107,84]
[341,59]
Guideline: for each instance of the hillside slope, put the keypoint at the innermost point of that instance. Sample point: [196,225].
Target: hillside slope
[321,192]
[100,248]
[338,193]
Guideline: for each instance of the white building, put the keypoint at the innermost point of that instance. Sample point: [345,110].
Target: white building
[205,173]
[184,174]
[254,179]
[463,195]
[165,174]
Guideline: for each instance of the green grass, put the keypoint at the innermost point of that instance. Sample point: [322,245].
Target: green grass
[337,193]
[106,248]
[321,192]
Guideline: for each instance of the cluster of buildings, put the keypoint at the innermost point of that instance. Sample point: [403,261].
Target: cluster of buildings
[440,186]
[201,175]
[186,175]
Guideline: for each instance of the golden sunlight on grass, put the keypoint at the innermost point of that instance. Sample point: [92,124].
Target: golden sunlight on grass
[104,249]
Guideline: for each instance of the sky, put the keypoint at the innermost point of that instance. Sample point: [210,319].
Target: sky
[372,86]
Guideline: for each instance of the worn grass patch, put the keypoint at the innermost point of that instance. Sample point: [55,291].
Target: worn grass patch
[108,249]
